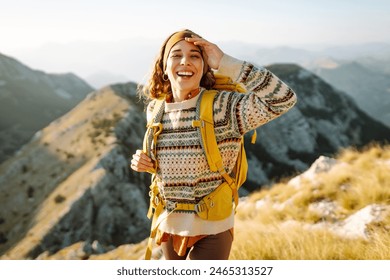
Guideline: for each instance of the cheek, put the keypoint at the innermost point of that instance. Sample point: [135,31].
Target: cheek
[169,68]
[200,67]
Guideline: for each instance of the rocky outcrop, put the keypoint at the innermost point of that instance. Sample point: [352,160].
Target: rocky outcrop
[331,217]
[72,182]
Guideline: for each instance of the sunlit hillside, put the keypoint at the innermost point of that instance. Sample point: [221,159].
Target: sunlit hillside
[338,209]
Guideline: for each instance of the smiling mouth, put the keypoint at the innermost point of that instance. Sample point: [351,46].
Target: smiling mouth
[185,74]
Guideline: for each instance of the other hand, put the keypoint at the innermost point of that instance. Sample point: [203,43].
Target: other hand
[141,162]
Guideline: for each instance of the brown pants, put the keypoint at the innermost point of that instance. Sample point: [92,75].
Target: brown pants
[211,247]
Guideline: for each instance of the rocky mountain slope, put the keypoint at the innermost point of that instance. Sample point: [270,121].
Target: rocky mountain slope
[323,121]
[71,184]
[71,181]
[30,100]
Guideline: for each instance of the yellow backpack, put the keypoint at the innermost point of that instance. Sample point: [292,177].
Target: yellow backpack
[218,204]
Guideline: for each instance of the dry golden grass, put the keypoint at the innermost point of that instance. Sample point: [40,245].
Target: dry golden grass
[293,242]
[271,224]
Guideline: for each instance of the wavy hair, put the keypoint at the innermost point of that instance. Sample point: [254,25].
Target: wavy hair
[156,86]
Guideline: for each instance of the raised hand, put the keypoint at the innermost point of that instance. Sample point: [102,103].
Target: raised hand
[211,52]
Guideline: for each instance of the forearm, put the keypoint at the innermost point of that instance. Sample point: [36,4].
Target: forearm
[267,96]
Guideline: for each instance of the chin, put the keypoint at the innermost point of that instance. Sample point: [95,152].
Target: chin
[188,88]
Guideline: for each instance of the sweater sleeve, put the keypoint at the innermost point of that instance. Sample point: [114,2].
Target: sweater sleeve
[267,96]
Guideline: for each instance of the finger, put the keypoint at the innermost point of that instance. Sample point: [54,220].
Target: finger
[142,158]
[142,155]
[193,38]
[139,166]
[204,45]
[145,157]
[138,169]
[197,41]
[134,167]
[141,162]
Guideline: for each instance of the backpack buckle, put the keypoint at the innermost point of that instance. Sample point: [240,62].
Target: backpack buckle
[200,207]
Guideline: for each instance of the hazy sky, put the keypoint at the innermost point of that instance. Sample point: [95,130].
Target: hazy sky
[96,36]
[27,23]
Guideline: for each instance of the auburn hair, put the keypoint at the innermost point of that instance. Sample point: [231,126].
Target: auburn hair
[156,86]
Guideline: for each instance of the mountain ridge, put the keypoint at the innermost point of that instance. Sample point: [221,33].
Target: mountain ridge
[368,87]
[31,99]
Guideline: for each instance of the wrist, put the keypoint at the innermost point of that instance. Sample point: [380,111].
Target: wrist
[229,66]
[218,60]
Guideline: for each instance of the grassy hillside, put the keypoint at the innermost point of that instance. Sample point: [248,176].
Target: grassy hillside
[343,213]
[339,209]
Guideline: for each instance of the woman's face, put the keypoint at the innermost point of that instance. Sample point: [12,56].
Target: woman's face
[184,68]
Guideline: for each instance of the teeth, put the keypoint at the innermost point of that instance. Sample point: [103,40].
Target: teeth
[182,73]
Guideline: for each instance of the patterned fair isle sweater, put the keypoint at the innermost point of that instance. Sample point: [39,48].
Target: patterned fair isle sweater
[183,173]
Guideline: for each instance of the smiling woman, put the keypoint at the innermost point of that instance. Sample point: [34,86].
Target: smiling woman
[181,68]
[183,177]
[184,68]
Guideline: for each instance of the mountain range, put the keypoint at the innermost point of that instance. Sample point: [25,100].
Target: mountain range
[370,88]
[31,99]
[361,71]
[130,59]
[72,181]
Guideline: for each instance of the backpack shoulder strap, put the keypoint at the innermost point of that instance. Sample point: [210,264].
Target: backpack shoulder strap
[153,129]
[209,141]
[156,205]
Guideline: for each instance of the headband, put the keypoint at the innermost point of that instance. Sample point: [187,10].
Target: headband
[173,40]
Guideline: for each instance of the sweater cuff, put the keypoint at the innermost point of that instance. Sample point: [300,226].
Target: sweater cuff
[230,66]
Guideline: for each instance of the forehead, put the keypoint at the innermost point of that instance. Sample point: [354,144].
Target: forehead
[184,46]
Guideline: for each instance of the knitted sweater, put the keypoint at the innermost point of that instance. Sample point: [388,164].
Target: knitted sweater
[183,173]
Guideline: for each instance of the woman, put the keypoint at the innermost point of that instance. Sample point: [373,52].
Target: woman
[183,71]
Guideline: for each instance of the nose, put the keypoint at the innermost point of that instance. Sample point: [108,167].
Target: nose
[184,60]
